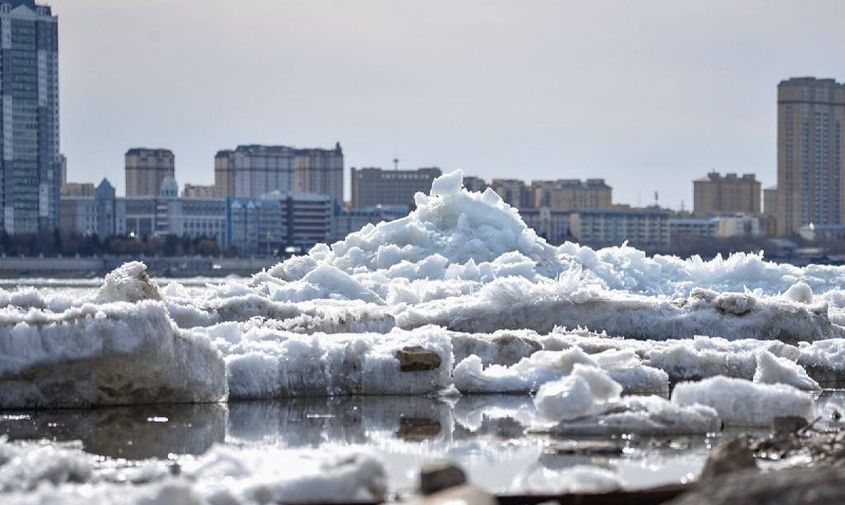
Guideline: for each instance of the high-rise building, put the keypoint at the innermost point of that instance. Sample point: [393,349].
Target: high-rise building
[146,169]
[811,134]
[251,171]
[729,194]
[374,186]
[30,167]
[571,194]
[319,171]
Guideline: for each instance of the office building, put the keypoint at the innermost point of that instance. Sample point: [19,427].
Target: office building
[716,195]
[352,220]
[571,194]
[251,171]
[373,186]
[89,214]
[811,134]
[640,227]
[146,169]
[514,192]
[683,227]
[30,166]
[280,223]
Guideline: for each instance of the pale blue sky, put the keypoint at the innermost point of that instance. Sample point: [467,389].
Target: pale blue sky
[647,94]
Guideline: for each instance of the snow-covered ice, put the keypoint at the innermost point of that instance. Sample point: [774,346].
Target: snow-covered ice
[645,416]
[107,354]
[531,372]
[744,403]
[43,473]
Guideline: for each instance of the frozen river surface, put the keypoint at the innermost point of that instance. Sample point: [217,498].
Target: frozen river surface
[334,375]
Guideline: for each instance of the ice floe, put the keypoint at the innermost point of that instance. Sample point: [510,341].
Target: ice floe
[744,403]
[107,354]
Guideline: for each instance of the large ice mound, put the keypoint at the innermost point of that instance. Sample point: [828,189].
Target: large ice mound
[467,262]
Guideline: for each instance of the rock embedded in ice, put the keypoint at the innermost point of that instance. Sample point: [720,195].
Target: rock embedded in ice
[416,358]
[817,485]
[740,402]
[110,354]
[730,456]
[774,370]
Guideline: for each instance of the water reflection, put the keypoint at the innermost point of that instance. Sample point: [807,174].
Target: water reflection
[487,435]
[138,432]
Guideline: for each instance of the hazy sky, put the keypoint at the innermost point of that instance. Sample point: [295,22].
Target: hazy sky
[647,94]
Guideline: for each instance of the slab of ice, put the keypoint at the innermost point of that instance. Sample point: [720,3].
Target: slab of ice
[263,362]
[541,305]
[645,416]
[109,354]
[701,357]
[774,370]
[528,374]
[740,402]
[585,391]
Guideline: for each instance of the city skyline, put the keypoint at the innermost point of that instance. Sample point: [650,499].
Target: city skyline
[569,92]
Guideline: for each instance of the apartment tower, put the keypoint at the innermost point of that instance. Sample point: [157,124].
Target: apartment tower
[811,113]
[729,194]
[256,170]
[146,170]
[30,166]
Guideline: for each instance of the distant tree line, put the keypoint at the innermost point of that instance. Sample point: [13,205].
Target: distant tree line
[54,243]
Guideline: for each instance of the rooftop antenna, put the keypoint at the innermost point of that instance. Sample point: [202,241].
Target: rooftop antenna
[656,200]
[395,163]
